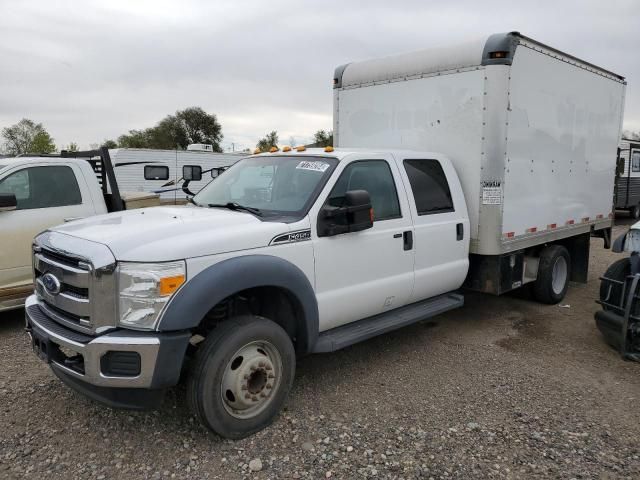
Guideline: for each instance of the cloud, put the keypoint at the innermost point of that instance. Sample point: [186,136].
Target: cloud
[92,70]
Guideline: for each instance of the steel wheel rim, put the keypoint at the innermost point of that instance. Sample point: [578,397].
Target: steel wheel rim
[559,275]
[251,378]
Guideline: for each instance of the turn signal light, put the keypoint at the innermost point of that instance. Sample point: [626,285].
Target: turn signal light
[168,285]
[498,54]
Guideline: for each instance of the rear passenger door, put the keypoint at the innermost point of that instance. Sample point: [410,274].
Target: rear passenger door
[441,226]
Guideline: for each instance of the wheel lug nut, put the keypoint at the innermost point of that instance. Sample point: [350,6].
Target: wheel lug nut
[261,364]
[269,386]
[246,376]
[255,399]
[247,396]
[271,375]
[263,395]
[268,367]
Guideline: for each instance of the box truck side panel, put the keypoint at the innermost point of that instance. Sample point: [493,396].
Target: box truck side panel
[441,113]
[563,130]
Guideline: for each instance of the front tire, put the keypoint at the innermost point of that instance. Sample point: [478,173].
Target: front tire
[634,212]
[241,376]
[554,270]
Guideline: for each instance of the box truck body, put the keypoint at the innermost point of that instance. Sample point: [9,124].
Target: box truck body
[532,132]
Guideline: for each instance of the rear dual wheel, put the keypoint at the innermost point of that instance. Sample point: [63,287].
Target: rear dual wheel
[241,376]
[554,271]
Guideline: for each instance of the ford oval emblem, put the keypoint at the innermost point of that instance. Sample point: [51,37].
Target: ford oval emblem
[51,283]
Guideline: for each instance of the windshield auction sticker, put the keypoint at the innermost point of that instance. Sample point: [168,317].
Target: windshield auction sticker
[315,166]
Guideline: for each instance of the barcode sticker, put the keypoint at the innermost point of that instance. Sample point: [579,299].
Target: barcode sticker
[315,166]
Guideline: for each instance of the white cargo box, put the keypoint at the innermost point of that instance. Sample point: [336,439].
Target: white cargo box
[531,131]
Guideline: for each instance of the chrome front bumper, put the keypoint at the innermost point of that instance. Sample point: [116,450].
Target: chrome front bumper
[82,357]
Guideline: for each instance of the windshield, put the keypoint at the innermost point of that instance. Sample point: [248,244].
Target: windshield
[276,185]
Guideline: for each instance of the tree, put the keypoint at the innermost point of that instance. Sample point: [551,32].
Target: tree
[630,135]
[191,125]
[323,138]
[134,139]
[200,127]
[72,147]
[26,136]
[270,140]
[110,144]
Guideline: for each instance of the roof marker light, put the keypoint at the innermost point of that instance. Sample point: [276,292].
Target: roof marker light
[286,149]
[328,149]
[274,149]
[256,151]
[301,148]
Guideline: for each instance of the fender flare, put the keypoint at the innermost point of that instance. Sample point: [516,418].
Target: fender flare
[221,280]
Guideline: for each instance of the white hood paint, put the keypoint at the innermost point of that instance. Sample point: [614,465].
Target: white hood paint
[172,233]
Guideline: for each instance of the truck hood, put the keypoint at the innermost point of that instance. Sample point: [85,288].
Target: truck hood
[171,233]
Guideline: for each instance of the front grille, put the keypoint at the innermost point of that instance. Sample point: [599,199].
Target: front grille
[85,299]
[60,258]
[70,305]
[75,291]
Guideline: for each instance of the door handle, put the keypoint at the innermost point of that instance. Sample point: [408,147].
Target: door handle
[407,240]
[459,231]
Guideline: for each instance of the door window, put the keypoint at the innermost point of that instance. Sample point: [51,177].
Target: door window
[42,187]
[635,162]
[430,187]
[375,177]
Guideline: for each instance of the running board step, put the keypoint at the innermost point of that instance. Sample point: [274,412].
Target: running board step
[345,335]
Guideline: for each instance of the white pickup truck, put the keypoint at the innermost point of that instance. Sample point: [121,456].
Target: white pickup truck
[302,251]
[37,192]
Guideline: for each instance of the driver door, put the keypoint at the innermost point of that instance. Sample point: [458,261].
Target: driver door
[361,274]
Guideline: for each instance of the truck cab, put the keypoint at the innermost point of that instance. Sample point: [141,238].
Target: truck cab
[284,254]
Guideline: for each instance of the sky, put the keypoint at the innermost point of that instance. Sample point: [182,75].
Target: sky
[92,70]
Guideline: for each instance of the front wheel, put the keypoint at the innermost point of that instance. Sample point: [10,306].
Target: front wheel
[634,212]
[553,275]
[241,376]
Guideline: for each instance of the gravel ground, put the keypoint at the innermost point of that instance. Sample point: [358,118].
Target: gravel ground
[502,388]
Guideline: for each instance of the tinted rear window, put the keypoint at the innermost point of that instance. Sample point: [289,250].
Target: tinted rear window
[430,187]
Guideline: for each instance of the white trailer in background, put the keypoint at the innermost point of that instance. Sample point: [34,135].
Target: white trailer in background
[130,163]
[532,133]
[628,178]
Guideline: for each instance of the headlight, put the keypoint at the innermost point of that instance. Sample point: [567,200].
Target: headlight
[144,289]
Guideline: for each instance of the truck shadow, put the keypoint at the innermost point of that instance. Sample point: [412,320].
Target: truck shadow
[11,321]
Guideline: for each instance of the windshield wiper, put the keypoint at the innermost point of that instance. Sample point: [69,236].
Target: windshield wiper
[237,206]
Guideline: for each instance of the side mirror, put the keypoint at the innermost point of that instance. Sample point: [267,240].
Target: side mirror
[156,172]
[356,215]
[8,202]
[620,166]
[215,171]
[192,173]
